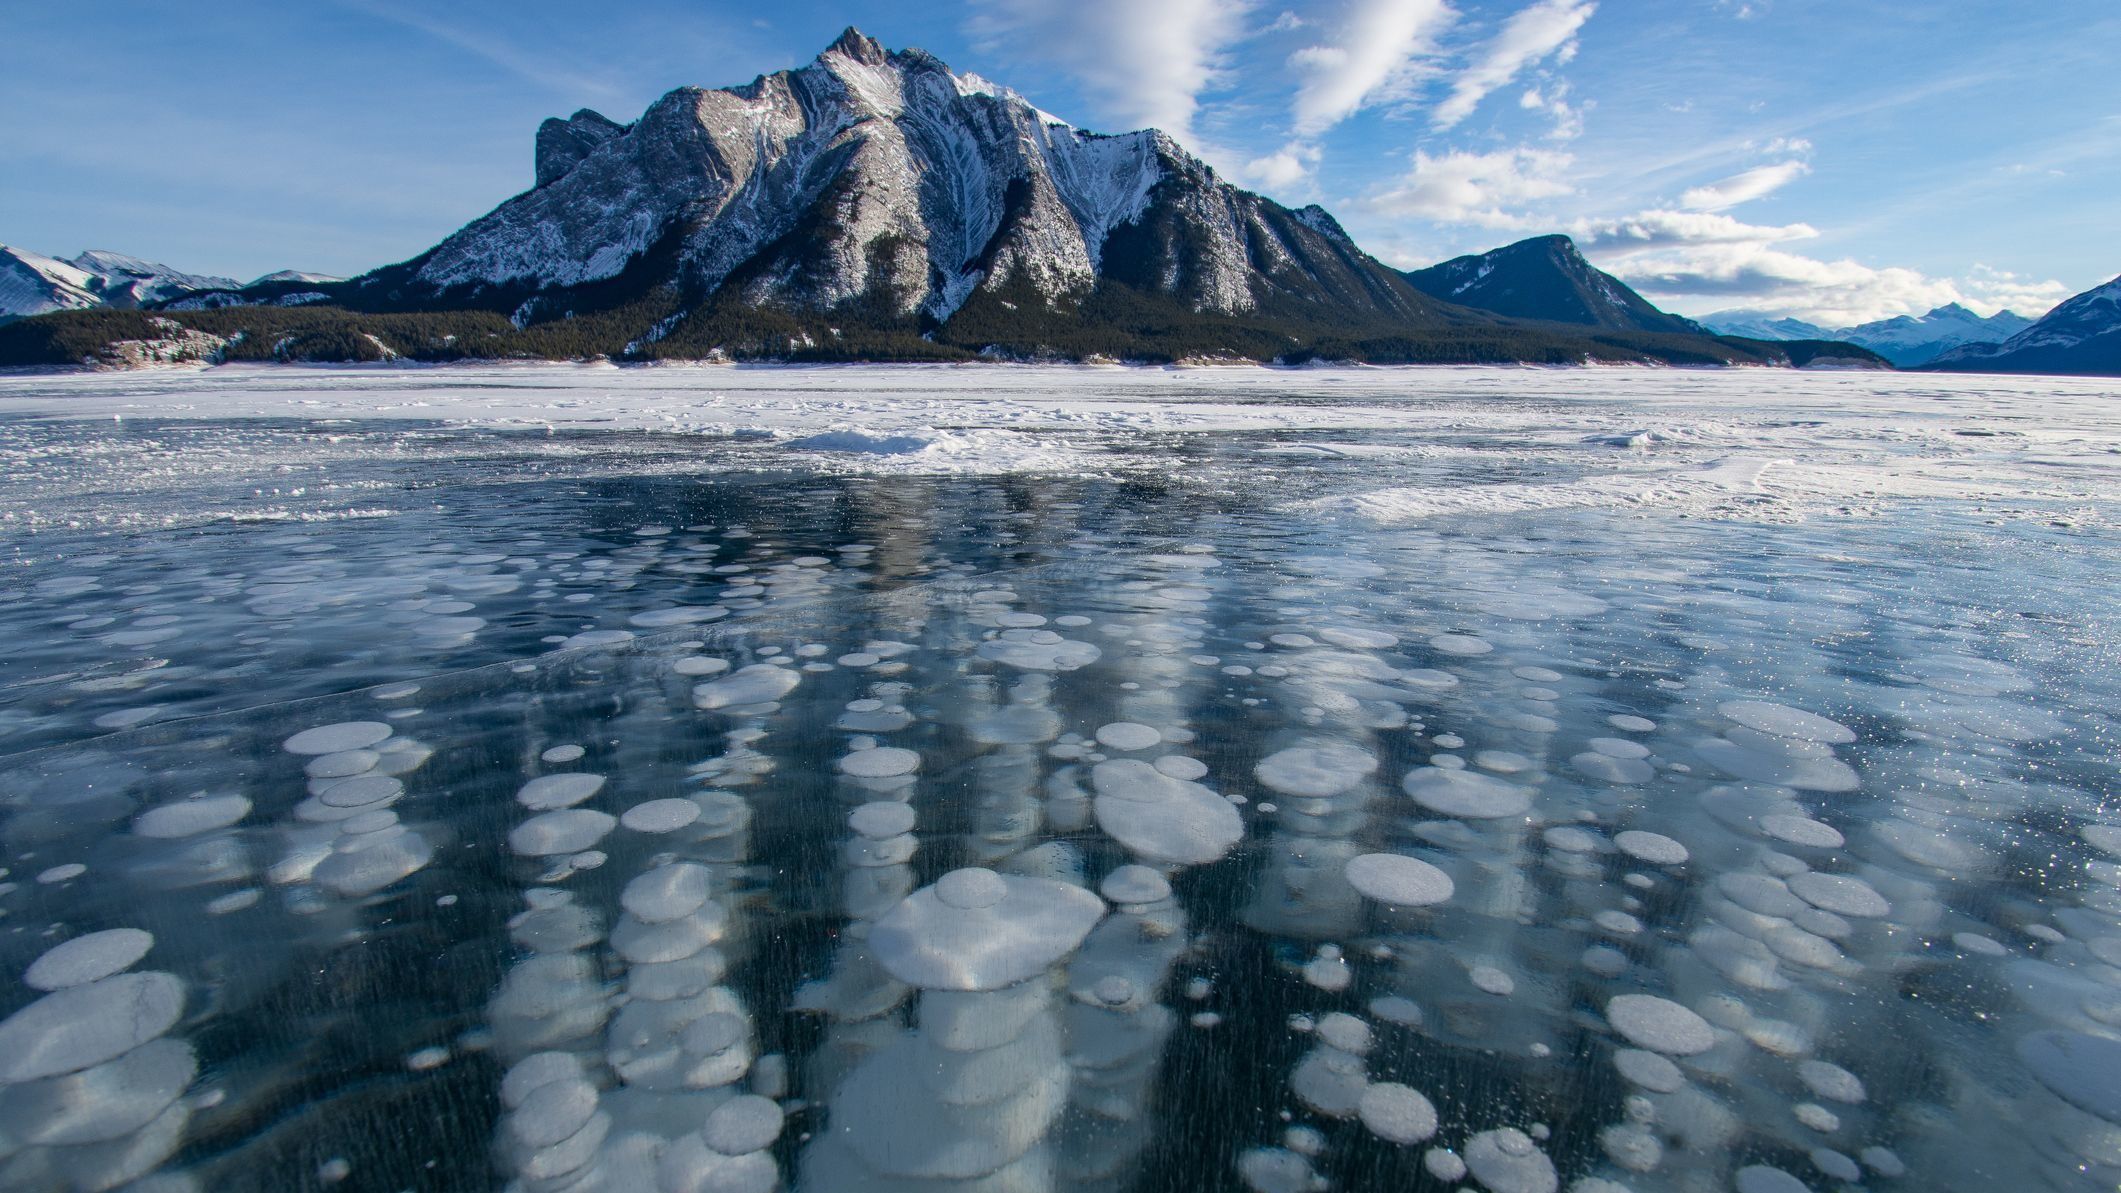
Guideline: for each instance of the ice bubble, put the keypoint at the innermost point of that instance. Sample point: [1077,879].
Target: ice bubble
[553,1112]
[699,665]
[1502,762]
[190,817]
[1507,1161]
[1135,885]
[643,943]
[1329,1081]
[1398,881]
[1628,723]
[369,822]
[334,739]
[1607,769]
[1129,735]
[343,765]
[1569,839]
[396,691]
[1178,766]
[689,1165]
[88,958]
[548,792]
[1463,645]
[2103,837]
[1780,720]
[1759,1178]
[1275,1170]
[1316,771]
[382,859]
[1760,894]
[1039,650]
[1840,894]
[978,930]
[1490,980]
[881,820]
[759,683]
[1160,818]
[1329,971]
[1393,1009]
[746,1123]
[1648,1070]
[558,754]
[570,830]
[1655,848]
[660,815]
[1801,830]
[1659,1025]
[1466,794]
[361,791]
[1396,1114]
[79,1026]
[1817,1117]
[1882,1161]
[883,762]
[2083,1070]
[1830,1081]
[103,1103]
[667,892]
[1443,1164]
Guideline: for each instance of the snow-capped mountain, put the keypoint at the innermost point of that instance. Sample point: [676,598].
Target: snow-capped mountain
[32,283]
[1908,340]
[299,276]
[1546,278]
[884,179]
[1761,325]
[2083,335]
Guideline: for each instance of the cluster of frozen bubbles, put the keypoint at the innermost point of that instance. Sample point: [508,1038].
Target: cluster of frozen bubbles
[1517,931]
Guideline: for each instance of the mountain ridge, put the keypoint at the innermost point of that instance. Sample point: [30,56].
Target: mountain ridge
[2082,335]
[1545,278]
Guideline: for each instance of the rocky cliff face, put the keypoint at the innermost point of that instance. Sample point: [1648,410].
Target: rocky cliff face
[887,179]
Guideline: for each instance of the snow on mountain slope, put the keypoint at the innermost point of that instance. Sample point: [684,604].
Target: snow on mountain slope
[886,177]
[131,282]
[1913,340]
[296,275]
[1545,278]
[32,283]
[1761,325]
[2083,335]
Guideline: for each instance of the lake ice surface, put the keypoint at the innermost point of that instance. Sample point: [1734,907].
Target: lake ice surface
[1059,779]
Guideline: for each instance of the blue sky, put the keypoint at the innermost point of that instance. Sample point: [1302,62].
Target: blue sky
[1838,159]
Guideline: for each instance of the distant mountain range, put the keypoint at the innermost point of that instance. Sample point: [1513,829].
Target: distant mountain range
[876,205]
[2083,335]
[34,284]
[1906,340]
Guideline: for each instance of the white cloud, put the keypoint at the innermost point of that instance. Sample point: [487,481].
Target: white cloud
[1701,260]
[1743,187]
[1547,28]
[1286,169]
[1376,50]
[1142,64]
[1475,188]
[1554,101]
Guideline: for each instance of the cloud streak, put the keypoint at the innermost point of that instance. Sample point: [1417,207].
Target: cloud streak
[1475,188]
[1377,50]
[1546,29]
[1743,187]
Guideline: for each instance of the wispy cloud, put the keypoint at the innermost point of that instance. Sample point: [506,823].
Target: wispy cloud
[490,49]
[1743,187]
[1475,188]
[1141,64]
[1546,29]
[1376,50]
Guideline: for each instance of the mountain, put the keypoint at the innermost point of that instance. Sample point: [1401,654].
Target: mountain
[875,204]
[1907,340]
[301,277]
[1545,278]
[1760,325]
[32,284]
[2081,336]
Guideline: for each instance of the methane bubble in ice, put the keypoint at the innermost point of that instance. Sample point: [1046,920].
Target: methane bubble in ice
[2083,1070]
[1780,720]
[1316,772]
[1396,1113]
[332,739]
[667,892]
[974,929]
[1398,881]
[549,792]
[1128,736]
[660,815]
[552,834]
[1178,766]
[1759,1178]
[1801,830]
[1841,894]
[1649,1070]
[78,1026]
[883,762]
[1655,848]
[1464,645]
[1466,794]
[1659,1025]
[1134,886]
[882,820]
[89,958]
[1163,819]
[190,817]
[760,683]
[747,1123]
[1507,1161]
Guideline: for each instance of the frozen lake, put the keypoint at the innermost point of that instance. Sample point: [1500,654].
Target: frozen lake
[997,780]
